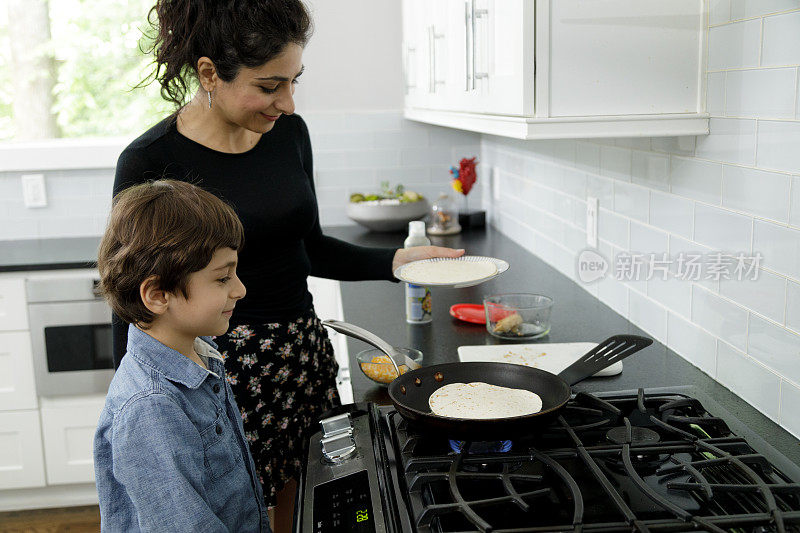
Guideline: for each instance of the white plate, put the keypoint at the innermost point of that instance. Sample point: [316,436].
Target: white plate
[501,265]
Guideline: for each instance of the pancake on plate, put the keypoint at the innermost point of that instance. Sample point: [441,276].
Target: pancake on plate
[448,271]
[480,400]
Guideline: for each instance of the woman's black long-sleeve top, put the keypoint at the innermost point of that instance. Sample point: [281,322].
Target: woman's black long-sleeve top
[271,188]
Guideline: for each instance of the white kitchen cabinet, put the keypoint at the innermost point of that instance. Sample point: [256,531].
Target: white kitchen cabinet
[17,386]
[21,460]
[536,69]
[13,312]
[68,426]
[328,305]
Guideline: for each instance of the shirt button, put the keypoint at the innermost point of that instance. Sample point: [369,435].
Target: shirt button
[216,388]
[219,430]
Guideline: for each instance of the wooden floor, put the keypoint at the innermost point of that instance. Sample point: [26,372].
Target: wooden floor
[63,520]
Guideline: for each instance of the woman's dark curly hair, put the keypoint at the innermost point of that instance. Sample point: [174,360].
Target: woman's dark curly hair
[232,33]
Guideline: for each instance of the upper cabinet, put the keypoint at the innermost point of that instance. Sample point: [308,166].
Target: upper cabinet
[546,69]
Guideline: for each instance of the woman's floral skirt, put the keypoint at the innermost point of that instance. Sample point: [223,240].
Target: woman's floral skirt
[283,376]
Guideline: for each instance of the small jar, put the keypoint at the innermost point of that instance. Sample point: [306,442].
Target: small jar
[444,217]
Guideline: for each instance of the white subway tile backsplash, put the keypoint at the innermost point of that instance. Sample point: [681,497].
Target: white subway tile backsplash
[793,306]
[730,141]
[719,11]
[375,158]
[699,180]
[645,239]
[343,141]
[790,414]
[777,145]
[765,295]
[674,145]
[373,121]
[695,345]
[780,247]
[411,175]
[776,347]
[734,45]
[673,293]
[762,386]
[794,208]
[587,157]
[650,170]
[13,229]
[715,94]
[781,44]
[720,317]
[755,8]
[761,193]
[672,213]
[563,151]
[767,93]
[400,139]
[635,143]
[683,250]
[614,294]
[613,228]
[615,162]
[721,229]
[603,189]
[631,201]
[354,178]
[650,316]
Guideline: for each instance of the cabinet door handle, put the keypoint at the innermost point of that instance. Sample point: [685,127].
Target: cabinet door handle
[432,36]
[476,14]
[408,66]
[431,56]
[467,70]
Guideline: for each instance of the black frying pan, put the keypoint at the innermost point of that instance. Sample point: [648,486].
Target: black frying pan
[410,392]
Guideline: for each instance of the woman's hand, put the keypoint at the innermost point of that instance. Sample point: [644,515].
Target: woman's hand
[417,253]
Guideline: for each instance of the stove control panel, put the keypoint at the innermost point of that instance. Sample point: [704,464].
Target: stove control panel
[340,489]
[344,505]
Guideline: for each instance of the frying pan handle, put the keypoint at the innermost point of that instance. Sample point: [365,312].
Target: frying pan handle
[605,354]
[361,334]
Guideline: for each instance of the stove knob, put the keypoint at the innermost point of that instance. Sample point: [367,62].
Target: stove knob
[338,448]
[336,425]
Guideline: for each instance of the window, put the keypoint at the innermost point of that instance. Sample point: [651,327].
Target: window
[68,69]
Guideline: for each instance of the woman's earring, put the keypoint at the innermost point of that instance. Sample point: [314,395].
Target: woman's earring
[209,99]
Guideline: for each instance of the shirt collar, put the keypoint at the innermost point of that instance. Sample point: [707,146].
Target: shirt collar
[172,364]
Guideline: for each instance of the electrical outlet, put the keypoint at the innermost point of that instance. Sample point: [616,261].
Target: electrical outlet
[592,210]
[34,192]
[496,184]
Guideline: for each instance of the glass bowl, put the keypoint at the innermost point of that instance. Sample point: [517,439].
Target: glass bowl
[376,365]
[518,316]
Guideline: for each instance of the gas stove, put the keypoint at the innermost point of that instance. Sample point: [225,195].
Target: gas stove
[648,460]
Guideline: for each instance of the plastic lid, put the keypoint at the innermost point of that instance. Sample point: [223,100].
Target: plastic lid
[416,228]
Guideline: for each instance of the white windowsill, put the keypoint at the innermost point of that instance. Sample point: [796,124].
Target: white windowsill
[61,154]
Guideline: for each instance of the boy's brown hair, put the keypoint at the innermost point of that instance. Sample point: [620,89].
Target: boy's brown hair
[167,229]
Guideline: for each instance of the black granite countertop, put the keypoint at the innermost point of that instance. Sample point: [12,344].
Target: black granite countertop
[48,254]
[577,317]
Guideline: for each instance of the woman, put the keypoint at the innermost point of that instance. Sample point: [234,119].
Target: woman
[238,138]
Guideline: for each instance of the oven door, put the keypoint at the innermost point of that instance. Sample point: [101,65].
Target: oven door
[72,347]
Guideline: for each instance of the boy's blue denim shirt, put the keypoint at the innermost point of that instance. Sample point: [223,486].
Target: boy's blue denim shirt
[170,452]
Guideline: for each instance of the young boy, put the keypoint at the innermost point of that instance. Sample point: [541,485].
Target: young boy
[169,452]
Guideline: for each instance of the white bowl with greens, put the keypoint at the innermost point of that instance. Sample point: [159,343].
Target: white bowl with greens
[390,210]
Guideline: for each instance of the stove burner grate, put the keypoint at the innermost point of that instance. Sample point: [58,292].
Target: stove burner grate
[664,464]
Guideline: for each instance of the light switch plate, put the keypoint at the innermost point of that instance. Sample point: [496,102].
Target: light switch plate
[34,192]
[592,210]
